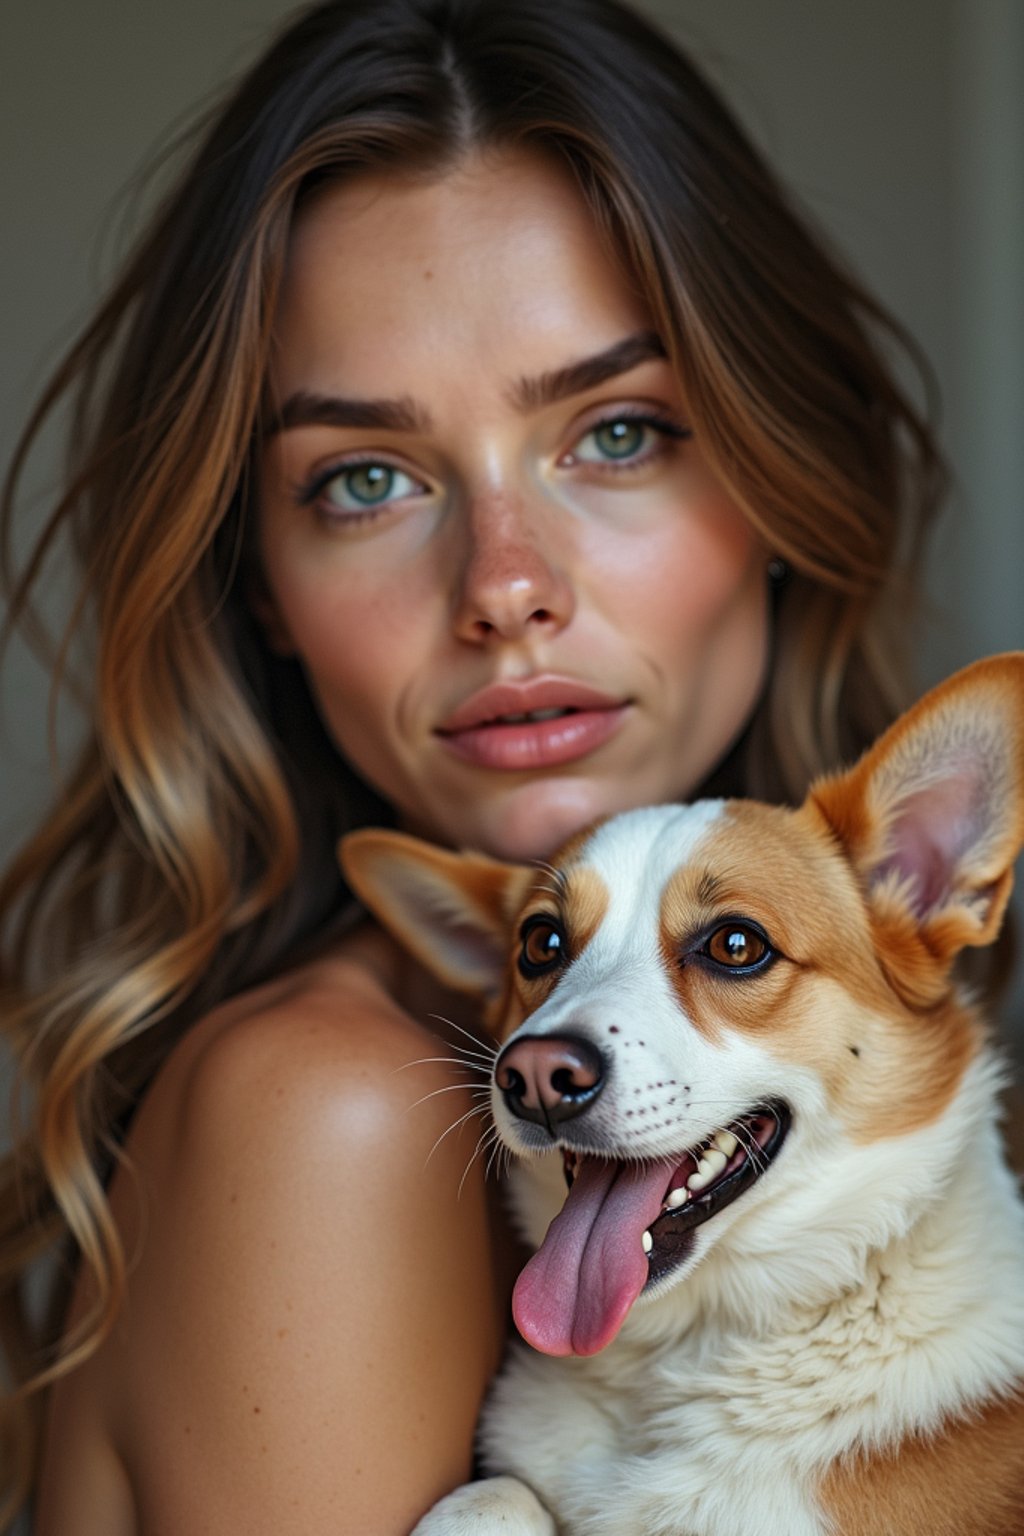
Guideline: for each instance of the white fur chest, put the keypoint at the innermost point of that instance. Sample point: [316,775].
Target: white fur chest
[636,1446]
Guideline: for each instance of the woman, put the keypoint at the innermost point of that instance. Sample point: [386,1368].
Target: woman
[476,441]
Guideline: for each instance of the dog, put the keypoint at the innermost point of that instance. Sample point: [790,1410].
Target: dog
[784,1295]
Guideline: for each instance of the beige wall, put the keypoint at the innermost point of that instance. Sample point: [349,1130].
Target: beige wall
[900,126]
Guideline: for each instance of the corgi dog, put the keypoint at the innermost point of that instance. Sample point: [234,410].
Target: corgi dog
[784,1294]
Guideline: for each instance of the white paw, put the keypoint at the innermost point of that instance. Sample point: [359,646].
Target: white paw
[499,1504]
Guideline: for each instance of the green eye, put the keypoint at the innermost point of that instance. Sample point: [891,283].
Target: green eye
[367,485]
[356,491]
[370,482]
[620,439]
[627,441]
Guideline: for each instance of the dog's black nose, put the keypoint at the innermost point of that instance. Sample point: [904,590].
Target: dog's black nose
[549,1078]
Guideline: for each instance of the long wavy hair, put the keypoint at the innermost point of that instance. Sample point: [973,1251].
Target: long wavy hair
[189,853]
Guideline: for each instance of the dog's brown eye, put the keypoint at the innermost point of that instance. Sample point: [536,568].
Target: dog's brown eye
[739,946]
[542,946]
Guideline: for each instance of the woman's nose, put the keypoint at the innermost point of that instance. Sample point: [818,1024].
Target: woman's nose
[509,586]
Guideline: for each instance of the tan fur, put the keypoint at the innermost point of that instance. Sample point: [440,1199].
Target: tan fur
[378,867]
[586,902]
[775,867]
[967,1481]
[580,905]
[570,850]
[509,1009]
[856,799]
[862,805]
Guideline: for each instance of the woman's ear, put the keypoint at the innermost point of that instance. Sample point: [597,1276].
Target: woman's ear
[932,817]
[453,911]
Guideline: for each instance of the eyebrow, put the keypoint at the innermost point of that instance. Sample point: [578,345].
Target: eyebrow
[304,409]
[548,388]
[309,410]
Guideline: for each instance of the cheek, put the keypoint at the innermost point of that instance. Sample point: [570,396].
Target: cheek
[357,651]
[696,564]
[352,628]
[713,562]
[347,642]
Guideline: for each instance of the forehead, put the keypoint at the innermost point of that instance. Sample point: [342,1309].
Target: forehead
[497,255]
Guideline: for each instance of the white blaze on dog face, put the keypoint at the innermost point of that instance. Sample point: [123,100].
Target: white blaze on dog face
[639,980]
[673,1072]
[686,1112]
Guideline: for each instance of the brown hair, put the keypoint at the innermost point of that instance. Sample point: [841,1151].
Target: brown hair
[181,863]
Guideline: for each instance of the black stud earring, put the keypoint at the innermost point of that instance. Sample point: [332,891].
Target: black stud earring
[778,570]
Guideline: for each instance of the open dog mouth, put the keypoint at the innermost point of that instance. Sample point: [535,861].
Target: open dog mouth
[707,1178]
[626,1225]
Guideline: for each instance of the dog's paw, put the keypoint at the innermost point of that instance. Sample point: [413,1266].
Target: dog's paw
[502,1505]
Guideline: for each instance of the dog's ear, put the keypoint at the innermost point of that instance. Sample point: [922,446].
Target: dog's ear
[453,911]
[932,817]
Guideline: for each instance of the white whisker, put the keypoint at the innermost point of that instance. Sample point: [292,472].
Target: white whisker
[557,875]
[478,1109]
[497,1148]
[754,1150]
[445,1061]
[481,1146]
[476,1090]
[486,1052]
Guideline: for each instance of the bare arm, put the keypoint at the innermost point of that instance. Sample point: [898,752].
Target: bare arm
[312,1321]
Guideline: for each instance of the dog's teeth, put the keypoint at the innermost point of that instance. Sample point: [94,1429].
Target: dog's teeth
[676,1198]
[709,1167]
[648,1242]
[726,1142]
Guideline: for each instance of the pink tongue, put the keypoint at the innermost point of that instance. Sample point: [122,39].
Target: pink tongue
[573,1295]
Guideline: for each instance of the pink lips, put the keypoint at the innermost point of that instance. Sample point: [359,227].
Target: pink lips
[480,731]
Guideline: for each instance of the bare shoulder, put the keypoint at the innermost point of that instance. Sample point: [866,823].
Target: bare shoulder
[311,1317]
[330,1030]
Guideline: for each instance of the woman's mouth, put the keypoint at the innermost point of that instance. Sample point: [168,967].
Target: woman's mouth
[537,724]
[533,740]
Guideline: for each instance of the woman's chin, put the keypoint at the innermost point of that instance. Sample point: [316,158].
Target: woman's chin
[535,821]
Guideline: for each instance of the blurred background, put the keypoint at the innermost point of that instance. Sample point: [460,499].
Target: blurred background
[900,127]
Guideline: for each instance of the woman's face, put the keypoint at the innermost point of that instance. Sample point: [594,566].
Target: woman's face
[520,597]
